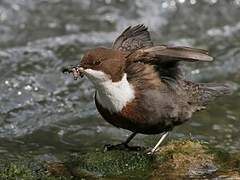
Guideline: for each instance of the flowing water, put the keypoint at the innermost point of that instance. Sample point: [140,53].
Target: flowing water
[45,113]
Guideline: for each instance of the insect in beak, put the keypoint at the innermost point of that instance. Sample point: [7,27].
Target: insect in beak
[76,71]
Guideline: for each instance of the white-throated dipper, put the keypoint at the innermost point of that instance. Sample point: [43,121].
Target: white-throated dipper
[139,86]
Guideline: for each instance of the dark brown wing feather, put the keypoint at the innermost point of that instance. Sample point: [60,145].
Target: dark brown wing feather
[133,38]
[163,54]
[165,59]
[190,49]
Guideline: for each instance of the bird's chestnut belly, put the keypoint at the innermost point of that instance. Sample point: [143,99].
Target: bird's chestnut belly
[134,121]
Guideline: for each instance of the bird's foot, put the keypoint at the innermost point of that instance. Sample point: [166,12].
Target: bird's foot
[122,146]
[156,147]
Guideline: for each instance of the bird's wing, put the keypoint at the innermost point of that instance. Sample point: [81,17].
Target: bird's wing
[166,54]
[165,59]
[133,38]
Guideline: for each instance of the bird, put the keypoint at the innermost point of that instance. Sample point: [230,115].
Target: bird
[140,86]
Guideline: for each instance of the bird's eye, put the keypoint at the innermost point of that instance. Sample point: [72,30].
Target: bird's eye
[96,62]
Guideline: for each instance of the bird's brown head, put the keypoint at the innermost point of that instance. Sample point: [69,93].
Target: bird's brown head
[102,64]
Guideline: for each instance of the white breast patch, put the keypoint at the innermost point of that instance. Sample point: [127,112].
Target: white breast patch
[111,95]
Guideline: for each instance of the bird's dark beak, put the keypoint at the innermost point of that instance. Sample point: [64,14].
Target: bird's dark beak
[76,71]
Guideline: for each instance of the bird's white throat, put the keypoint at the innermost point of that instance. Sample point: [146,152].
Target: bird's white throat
[111,95]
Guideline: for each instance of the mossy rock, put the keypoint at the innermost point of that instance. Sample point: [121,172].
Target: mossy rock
[176,159]
[189,159]
[195,159]
[31,170]
[182,159]
[124,164]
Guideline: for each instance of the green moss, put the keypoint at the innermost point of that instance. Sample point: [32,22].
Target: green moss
[13,171]
[112,163]
[31,170]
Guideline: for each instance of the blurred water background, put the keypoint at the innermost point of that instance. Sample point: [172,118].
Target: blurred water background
[46,114]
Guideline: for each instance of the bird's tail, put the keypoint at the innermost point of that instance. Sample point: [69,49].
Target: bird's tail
[209,91]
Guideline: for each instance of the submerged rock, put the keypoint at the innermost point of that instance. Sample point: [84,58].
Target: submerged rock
[176,159]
